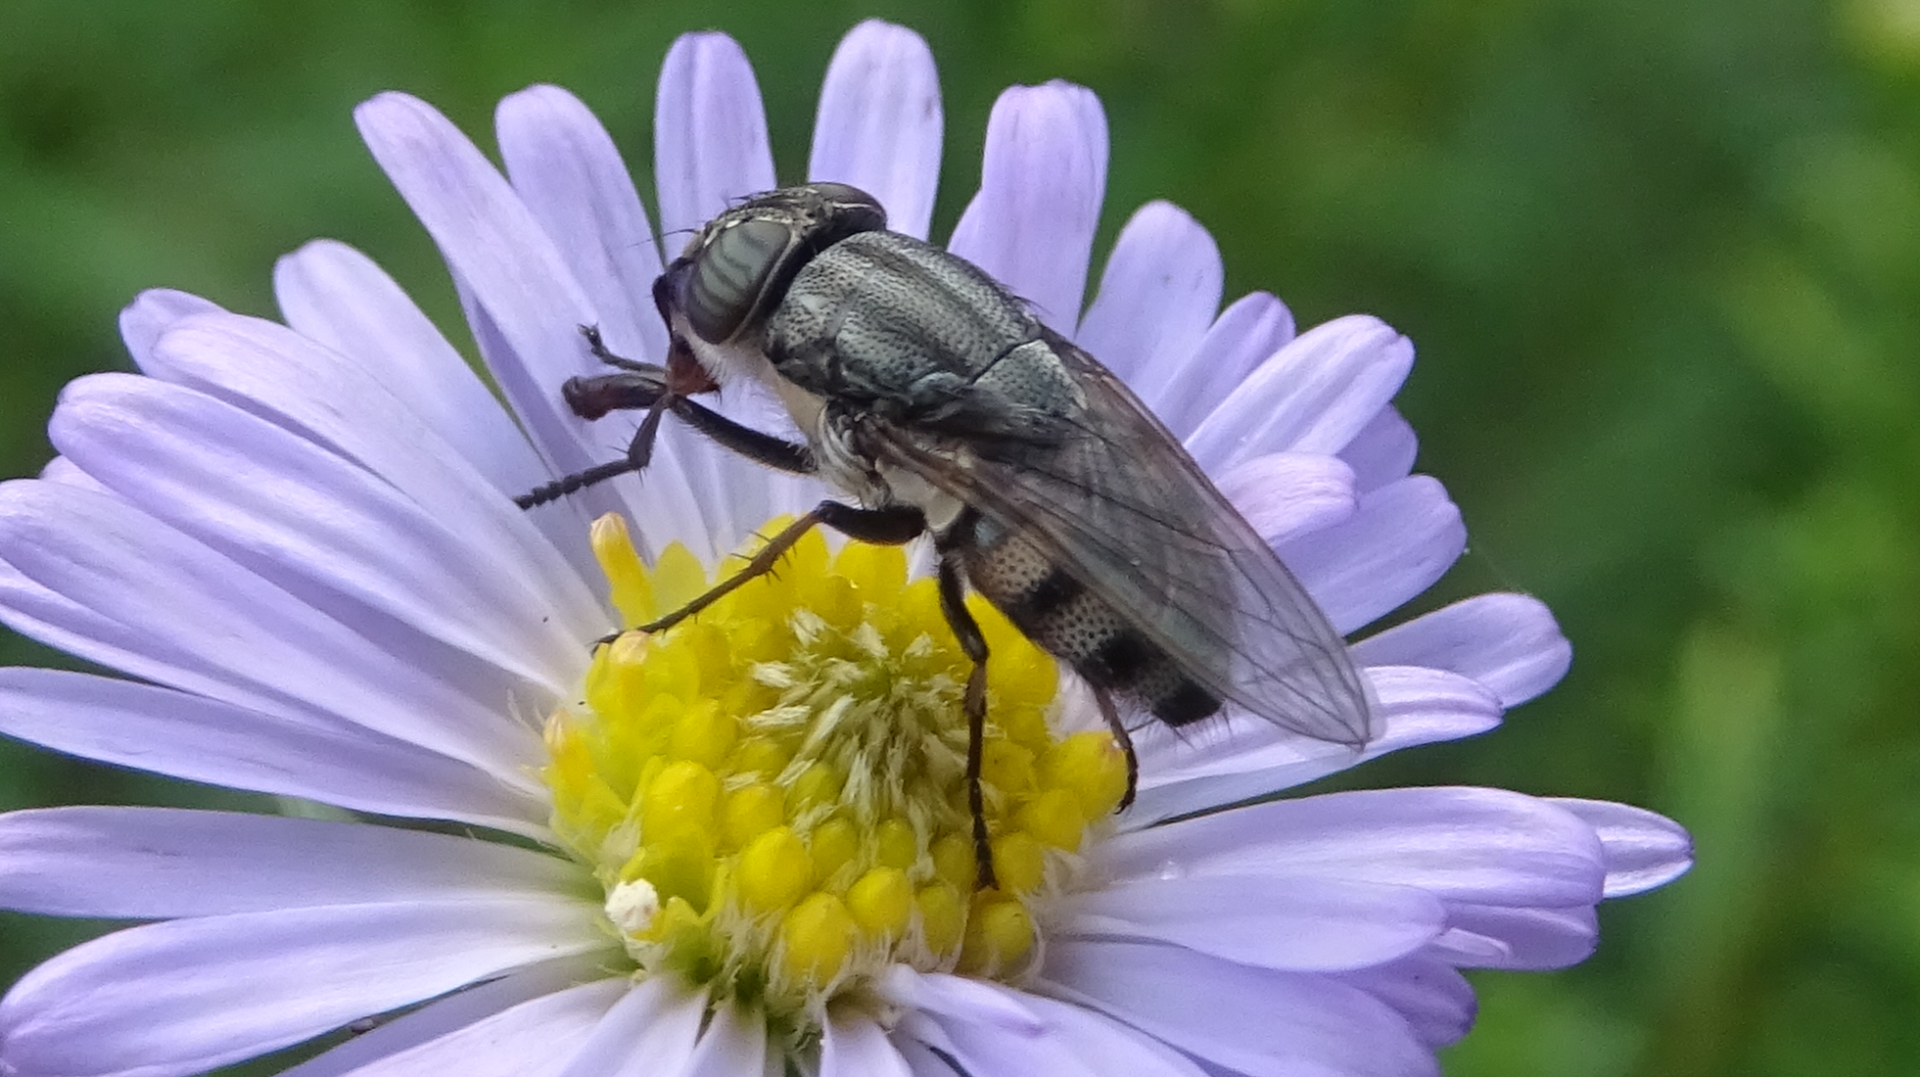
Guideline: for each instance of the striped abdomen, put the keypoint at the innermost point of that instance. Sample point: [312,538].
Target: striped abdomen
[1057,612]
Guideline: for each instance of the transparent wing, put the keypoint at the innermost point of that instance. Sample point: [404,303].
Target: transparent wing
[1115,501]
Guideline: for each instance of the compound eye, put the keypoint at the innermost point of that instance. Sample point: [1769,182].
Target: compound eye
[730,273]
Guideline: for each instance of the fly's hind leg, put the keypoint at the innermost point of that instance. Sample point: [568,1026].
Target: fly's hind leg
[1104,700]
[974,644]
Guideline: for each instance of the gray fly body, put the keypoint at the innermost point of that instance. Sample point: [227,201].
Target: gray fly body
[937,401]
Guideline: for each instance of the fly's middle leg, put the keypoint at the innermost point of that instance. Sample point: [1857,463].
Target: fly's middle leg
[1104,700]
[890,526]
[974,644]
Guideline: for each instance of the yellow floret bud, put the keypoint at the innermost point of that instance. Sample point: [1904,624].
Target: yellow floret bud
[680,800]
[819,935]
[678,577]
[954,862]
[703,735]
[619,675]
[774,870]
[1054,818]
[882,902]
[834,845]
[680,869]
[874,571]
[751,811]
[771,792]
[894,844]
[1018,865]
[1006,766]
[1094,767]
[942,917]
[999,933]
[819,784]
[627,579]
[758,755]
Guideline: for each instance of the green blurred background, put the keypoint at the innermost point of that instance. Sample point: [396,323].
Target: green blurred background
[1661,261]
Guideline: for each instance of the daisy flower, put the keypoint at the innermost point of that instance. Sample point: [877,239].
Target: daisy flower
[738,847]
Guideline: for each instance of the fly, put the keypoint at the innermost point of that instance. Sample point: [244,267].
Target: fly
[940,405]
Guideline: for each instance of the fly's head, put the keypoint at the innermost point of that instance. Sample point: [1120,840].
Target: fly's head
[716,297]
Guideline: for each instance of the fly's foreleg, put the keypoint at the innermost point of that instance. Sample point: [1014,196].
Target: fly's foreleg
[645,385]
[598,346]
[639,450]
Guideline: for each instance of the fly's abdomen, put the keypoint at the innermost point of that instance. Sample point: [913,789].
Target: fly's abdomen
[1058,613]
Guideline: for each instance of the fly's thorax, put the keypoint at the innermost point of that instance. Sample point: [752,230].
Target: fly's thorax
[1051,606]
[883,317]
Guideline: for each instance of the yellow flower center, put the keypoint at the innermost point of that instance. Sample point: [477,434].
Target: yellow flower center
[773,793]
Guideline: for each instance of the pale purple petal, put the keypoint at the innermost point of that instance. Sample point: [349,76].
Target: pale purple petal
[1467,949]
[1042,177]
[853,1045]
[1255,1021]
[57,621]
[1643,849]
[1383,451]
[1268,918]
[1287,495]
[1230,760]
[154,863]
[1430,994]
[709,134]
[959,999]
[1510,643]
[734,1045]
[1398,542]
[1108,1046]
[337,296]
[152,313]
[879,123]
[1527,938]
[185,996]
[271,372]
[1252,328]
[523,302]
[922,1061]
[1314,395]
[1484,846]
[650,1032]
[565,167]
[105,556]
[710,149]
[327,532]
[62,470]
[537,1038]
[471,1006]
[1156,301]
[294,754]
[994,1046]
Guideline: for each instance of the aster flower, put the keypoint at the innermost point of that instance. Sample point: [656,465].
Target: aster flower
[735,847]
